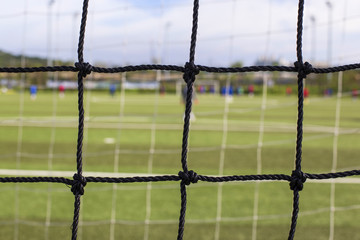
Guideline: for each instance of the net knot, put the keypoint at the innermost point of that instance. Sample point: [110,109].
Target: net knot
[84,68]
[78,184]
[297,180]
[188,177]
[191,70]
[303,68]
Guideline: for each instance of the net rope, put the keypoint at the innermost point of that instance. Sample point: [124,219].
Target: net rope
[87,116]
[185,176]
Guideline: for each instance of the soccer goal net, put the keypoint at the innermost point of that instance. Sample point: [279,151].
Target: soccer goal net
[165,151]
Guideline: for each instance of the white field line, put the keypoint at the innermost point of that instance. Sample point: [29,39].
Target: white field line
[222,160]
[50,162]
[45,173]
[175,221]
[259,157]
[116,157]
[151,159]
[141,101]
[273,105]
[335,155]
[166,151]
[233,126]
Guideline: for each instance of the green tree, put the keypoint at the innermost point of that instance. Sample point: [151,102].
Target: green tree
[237,64]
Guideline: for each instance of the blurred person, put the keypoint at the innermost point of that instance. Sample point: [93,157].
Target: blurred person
[33,92]
[328,92]
[239,91]
[112,89]
[162,89]
[228,93]
[288,91]
[61,91]
[354,94]
[251,90]
[306,95]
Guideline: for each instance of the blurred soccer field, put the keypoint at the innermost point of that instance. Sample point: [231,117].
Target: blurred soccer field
[41,135]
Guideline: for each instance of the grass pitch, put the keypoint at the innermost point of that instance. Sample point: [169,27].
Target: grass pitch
[41,135]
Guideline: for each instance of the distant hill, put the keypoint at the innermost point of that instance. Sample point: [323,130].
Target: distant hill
[12,60]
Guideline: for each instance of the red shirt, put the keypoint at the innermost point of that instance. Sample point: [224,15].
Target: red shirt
[306,92]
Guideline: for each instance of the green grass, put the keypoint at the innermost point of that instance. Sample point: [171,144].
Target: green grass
[132,134]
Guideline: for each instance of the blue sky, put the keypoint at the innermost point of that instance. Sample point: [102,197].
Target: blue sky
[135,31]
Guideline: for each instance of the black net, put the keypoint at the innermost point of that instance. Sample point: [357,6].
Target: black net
[186,176]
